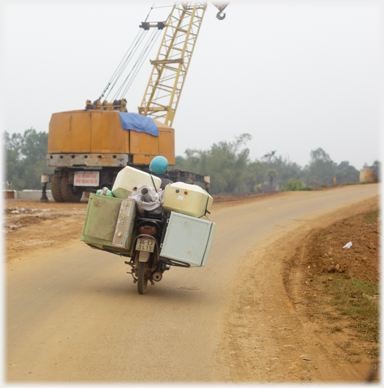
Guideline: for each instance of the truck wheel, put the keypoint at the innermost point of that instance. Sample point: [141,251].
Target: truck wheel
[68,192]
[56,189]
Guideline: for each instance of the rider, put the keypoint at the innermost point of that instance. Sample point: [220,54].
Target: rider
[158,167]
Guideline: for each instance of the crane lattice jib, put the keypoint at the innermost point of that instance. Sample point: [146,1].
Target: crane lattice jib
[171,65]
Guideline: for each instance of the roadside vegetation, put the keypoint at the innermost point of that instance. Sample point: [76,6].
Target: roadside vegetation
[295,185]
[358,300]
[354,300]
[227,162]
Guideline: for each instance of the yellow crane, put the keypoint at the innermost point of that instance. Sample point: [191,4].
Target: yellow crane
[88,147]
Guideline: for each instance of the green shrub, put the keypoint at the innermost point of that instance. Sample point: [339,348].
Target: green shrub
[295,185]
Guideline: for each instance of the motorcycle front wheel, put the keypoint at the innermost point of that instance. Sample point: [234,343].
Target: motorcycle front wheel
[142,279]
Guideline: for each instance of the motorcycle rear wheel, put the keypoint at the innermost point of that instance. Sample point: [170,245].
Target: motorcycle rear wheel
[142,280]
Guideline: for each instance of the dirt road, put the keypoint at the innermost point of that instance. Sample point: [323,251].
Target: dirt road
[73,314]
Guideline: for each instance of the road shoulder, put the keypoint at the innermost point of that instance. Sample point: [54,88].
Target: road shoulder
[267,334]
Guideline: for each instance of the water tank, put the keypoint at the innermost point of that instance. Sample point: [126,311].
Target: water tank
[367,175]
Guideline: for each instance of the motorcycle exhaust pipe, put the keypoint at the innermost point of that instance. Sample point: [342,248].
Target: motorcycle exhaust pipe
[145,195]
[157,276]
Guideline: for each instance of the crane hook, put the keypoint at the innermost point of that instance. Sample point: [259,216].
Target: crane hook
[221,7]
[220,15]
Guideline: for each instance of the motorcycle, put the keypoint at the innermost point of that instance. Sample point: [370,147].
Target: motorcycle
[146,263]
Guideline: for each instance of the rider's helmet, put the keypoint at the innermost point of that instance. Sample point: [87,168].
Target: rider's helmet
[159,165]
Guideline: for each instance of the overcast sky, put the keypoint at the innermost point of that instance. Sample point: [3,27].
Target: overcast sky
[295,75]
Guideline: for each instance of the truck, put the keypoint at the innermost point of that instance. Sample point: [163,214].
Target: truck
[88,147]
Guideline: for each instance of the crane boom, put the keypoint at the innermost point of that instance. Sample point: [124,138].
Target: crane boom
[171,65]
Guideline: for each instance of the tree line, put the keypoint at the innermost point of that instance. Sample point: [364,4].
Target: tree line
[232,172]
[25,159]
[227,163]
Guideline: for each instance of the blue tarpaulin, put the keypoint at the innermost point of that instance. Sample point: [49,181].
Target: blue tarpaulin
[139,123]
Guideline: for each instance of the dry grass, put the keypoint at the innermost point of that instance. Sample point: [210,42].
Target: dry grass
[357,300]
